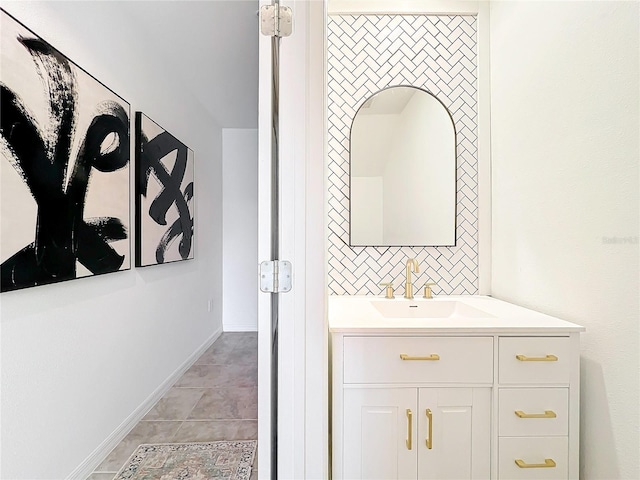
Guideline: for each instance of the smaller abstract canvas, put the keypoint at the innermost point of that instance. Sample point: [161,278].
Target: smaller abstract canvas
[164,195]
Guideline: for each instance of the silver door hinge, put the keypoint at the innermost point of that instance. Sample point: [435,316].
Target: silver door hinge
[275,20]
[275,276]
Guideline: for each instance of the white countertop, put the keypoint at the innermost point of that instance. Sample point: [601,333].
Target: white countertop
[356,314]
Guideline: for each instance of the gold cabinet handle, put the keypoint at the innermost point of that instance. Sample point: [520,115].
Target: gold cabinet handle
[546,414]
[430,437]
[548,463]
[433,356]
[409,428]
[546,358]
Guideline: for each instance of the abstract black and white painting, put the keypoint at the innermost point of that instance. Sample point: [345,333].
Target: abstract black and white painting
[64,171]
[164,195]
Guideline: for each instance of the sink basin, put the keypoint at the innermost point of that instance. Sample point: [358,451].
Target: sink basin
[427,309]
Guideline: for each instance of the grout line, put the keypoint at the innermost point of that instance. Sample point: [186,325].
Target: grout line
[193,408]
[200,420]
[216,388]
[173,437]
[225,364]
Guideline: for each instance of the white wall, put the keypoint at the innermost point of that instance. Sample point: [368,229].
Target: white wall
[79,357]
[240,229]
[565,151]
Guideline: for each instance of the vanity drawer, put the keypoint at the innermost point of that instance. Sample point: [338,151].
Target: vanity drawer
[542,360]
[426,360]
[533,451]
[533,411]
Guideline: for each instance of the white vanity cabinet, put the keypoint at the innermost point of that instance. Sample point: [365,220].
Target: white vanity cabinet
[413,407]
[447,400]
[425,433]
[376,432]
[538,407]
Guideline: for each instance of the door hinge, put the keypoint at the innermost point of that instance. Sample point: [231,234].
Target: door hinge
[276,20]
[275,276]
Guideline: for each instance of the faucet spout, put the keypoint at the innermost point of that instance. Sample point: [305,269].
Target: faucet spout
[412,263]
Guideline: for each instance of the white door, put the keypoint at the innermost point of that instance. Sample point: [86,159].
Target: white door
[293,438]
[380,433]
[454,438]
[265,142]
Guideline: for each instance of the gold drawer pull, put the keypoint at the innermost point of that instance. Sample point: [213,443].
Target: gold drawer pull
[433,356]
[409,428]
[430,438]
[546,358]
[546,414]
[548,463]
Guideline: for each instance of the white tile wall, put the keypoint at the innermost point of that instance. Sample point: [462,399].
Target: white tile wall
[365,54]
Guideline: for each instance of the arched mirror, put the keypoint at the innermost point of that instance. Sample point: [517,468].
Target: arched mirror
[403,171]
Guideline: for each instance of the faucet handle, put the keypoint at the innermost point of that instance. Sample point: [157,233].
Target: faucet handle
[427,290]
[389,289]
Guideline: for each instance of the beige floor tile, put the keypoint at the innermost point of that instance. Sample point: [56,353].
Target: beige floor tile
[219,376]
[222,344]
[248,340]
[243,356]
[227,403]
[144,432]
[230,339]
[217,357]
[217,396]
[211,431]
[232,349]
[109,476]
[176,404]
[237,356]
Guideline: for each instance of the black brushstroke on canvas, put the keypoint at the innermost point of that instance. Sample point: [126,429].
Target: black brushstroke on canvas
[150,153]
[63,236]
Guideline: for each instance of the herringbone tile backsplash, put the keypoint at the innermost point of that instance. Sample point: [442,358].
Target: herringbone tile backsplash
[371,52]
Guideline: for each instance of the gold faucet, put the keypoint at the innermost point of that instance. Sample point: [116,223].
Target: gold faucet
[408,286]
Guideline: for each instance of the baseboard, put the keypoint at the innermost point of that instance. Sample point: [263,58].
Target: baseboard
[88,466]
[241,328]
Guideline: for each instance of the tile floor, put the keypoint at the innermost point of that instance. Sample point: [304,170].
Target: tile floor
[216,399]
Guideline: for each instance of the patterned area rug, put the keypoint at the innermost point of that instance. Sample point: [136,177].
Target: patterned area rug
[190,461]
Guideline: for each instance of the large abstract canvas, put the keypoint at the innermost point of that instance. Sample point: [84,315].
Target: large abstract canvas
[164,195]
[64,171]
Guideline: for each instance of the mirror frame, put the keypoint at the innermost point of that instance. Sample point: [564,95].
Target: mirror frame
[455,169]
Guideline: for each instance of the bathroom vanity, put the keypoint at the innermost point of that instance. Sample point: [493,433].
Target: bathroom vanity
[456,387]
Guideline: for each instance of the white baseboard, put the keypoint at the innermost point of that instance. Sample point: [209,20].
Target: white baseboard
[88,466]
[241,328]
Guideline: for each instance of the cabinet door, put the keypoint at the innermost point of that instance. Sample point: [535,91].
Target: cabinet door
[380,433]
[454,433]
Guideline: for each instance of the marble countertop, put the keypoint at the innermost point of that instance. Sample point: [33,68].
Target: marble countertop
[357,314]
